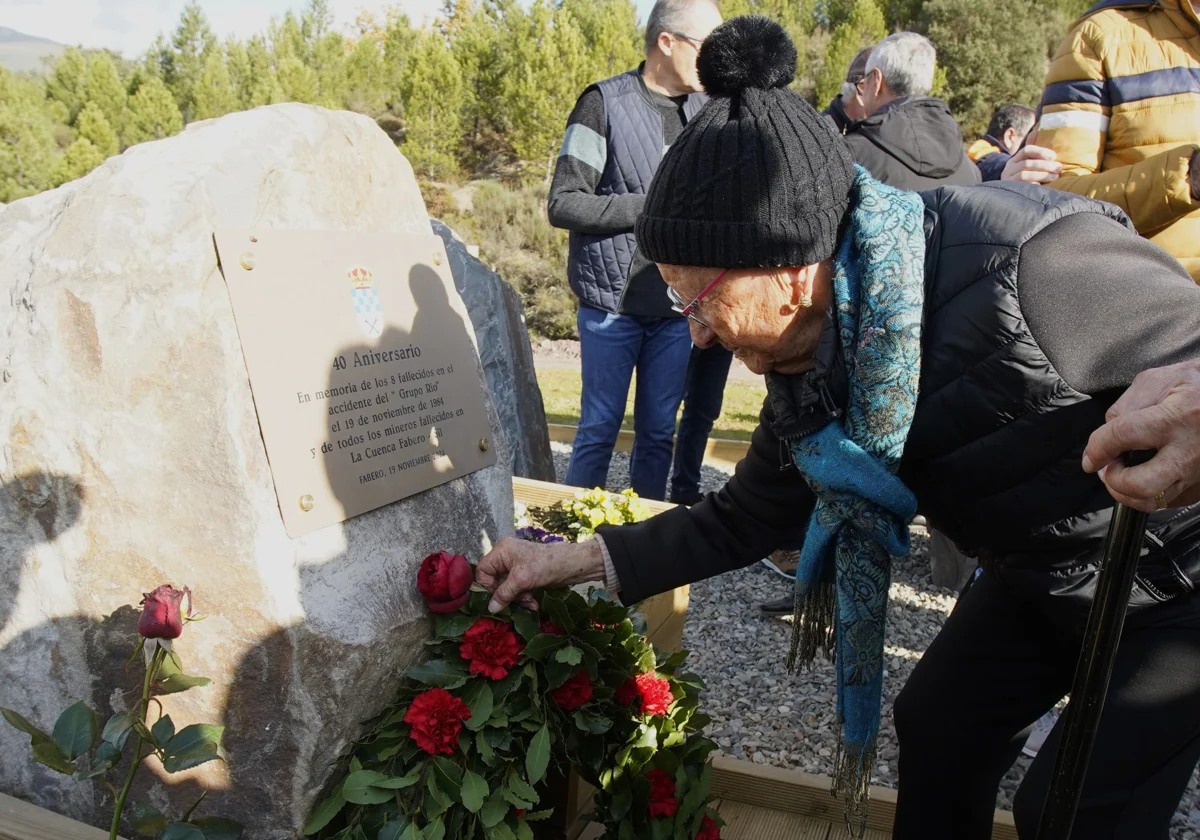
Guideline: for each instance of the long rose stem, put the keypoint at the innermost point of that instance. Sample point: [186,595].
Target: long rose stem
[151,669]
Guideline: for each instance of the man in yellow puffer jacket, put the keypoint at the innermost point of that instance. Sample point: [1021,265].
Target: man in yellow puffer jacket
[1120,119]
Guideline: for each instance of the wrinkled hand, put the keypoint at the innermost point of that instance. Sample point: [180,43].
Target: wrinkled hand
[1194,175]
[1032,165]
[1161,410]
[515,567]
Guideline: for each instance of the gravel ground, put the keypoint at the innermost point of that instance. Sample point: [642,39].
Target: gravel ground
[762,714]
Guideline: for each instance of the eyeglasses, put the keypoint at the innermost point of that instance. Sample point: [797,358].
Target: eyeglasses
[677,304]
[693,39]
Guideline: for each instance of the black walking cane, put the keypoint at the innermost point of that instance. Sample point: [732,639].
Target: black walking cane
[1122,548]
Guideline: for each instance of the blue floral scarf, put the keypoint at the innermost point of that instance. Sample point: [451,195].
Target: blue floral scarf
[863,509]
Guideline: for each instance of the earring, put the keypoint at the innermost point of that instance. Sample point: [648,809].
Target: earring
[805,301]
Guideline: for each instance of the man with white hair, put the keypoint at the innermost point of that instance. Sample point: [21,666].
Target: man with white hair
[910,140]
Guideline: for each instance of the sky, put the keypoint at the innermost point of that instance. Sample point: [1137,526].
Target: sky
[129,26]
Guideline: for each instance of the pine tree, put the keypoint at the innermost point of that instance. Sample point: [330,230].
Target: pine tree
[152,114]
[297,80]
[432,88]
[365,91]
[259,83]
[325,53]
[104,89]
[68,81]
[864,27]
[28,153]
[215,95]
[92,125]
[610,31]
[190,47]
[80,158]
[992,56]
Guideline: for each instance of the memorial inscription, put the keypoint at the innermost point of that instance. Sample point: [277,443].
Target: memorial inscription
[362,367]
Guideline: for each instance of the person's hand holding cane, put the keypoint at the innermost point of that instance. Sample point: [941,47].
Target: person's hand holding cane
[1159,411]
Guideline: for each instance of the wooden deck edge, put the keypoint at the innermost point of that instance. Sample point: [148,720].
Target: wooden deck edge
[718,449]
[20,820]
[530,491]
[797,792]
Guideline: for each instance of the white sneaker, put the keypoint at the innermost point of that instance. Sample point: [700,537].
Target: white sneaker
[1041,731]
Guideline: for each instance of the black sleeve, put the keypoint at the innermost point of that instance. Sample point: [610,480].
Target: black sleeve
[762,508]
[573,203]
[1105,304]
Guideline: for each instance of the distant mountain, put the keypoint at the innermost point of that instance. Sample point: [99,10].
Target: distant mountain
[20,52]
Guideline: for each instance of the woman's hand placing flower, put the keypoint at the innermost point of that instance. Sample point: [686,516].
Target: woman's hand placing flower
[515,568]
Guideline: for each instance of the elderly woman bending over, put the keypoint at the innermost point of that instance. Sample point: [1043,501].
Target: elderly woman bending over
[948,352]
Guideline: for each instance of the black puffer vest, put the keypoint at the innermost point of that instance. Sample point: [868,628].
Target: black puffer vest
[995,447]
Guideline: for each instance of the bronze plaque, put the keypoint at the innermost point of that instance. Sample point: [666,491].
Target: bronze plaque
[363,366]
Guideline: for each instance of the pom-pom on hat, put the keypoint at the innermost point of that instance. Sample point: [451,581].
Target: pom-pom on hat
[757,178]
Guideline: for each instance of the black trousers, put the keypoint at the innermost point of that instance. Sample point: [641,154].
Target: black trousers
[1001,661]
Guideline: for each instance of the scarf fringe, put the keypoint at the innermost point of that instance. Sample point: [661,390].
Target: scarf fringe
[813,625]
[852,783]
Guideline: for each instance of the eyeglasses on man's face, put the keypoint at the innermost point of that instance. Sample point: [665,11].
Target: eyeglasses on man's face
[695,41]
[688,309]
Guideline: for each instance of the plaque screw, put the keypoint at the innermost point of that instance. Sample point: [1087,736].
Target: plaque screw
[253,238]
[437,259]
[306,503]
[247,261]
[483,444]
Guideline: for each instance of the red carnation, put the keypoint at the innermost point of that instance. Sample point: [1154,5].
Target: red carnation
[708,830]
[548,626]
[161,612]
[574,692]
[491,647]
[627,694]
[662,794]
[445,580]
[655,693]
[436,718]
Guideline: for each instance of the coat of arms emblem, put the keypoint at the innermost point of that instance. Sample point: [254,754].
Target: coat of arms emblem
[367,311]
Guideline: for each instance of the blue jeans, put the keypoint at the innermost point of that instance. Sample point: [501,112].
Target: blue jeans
[611,346]
[702,398]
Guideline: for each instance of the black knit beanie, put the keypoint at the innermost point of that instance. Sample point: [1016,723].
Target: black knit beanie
[757,178]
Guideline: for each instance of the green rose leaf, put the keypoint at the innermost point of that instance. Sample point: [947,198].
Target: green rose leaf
[452,626]
[361,788]
[485,749]
[399,782]
[35,735]
[437,801]
[500,831]
[76,731]
[474,791]
[103,761]
[182,831]
[571,655]
[478,698]
[448,776]
[524,832]
[659,830]
[592,724]
[541,645]
[163,730]
[326,811]
[440,673]
[526,623]
[522,789]
[176,683]
[622,801]
[538,756]
[539,815]
[48,753]
[218,828]
[493,811]
[147,820]
[394,830]
[116,731]
[192,746]
[436,830]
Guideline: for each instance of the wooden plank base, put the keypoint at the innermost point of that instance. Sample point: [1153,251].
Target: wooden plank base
[20,820]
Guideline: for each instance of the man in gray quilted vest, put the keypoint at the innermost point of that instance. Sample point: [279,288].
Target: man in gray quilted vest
[615,138]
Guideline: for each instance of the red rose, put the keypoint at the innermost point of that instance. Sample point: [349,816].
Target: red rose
[708,830]
[445,580]
[548,626]
[662,794]
[520,812]
[627,694]
[574,692]
[491,647]
[436,718]
[655,693]
[161,618]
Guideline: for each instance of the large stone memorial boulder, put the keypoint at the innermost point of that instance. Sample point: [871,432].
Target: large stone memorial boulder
[130,455]
[498,318]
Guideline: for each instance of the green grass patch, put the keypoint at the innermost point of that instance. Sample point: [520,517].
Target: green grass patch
[739,414]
